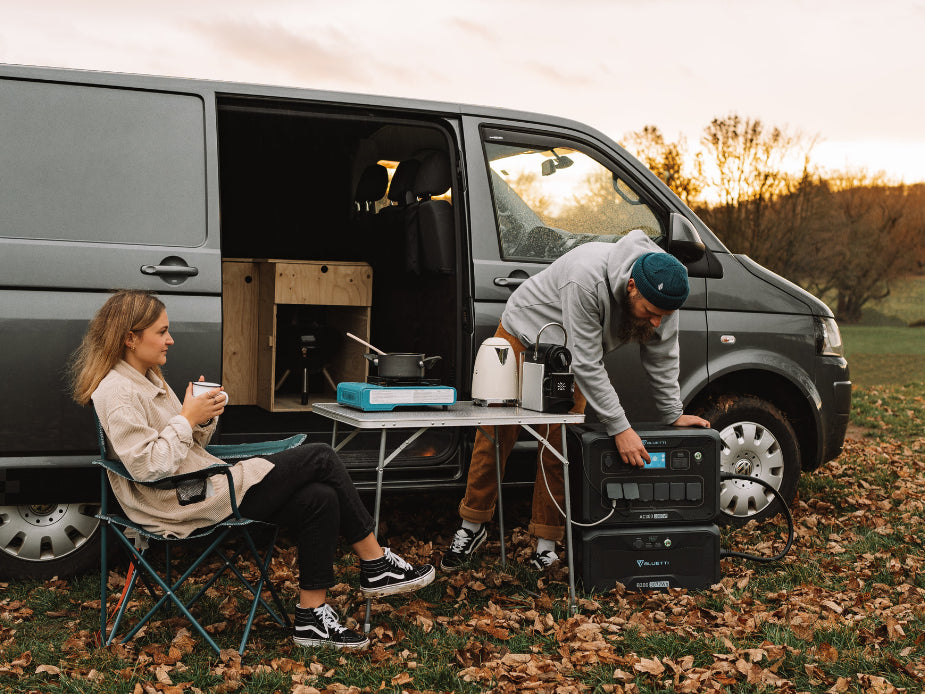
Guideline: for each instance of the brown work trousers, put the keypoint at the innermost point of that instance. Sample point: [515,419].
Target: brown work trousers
[478,505]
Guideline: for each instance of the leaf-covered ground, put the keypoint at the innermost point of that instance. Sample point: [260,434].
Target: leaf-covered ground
[843,612]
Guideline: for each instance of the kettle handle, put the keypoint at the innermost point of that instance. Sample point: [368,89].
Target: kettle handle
[429,361]
[536,346]
[374,358]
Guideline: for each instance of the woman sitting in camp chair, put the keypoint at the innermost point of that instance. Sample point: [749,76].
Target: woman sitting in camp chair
[118,367]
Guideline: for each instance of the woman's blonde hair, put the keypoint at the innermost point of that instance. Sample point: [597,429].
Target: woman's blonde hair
[126,311]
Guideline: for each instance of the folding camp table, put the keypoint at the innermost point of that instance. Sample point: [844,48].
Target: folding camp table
[461,414]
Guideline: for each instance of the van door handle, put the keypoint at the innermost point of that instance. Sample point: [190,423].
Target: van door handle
[171,270]
[509,282]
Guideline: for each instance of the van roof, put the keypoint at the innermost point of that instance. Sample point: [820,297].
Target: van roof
[219,88]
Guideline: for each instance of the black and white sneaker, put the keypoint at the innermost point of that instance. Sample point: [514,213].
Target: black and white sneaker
[464,544]
[543,560]
[319,626]
[391,574]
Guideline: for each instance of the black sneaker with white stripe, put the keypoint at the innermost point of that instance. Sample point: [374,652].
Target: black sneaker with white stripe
[319,626]
[464,544]
[543,560]
[391,574]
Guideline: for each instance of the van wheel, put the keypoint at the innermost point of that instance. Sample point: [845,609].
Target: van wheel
[45,540]
[757,441]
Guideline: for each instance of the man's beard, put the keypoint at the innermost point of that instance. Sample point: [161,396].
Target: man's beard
[632,329]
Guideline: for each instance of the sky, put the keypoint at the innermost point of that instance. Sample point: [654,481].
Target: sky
[847,73]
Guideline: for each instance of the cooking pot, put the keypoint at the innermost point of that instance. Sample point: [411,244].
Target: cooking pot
[401,365]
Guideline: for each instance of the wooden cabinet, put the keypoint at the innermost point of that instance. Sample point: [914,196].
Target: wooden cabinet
[337,294]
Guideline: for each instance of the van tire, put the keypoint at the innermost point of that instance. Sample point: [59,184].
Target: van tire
[72,546]
[758,441]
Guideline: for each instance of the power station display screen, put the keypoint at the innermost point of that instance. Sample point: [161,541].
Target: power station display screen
[658,460]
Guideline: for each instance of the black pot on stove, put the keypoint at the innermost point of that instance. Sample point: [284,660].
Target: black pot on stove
[405,366]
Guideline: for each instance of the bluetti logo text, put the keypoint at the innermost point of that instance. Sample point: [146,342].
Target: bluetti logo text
[643,562]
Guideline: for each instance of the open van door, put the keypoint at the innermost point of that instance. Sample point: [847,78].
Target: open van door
[548,193]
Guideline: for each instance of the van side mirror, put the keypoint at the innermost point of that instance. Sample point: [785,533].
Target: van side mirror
[684,243]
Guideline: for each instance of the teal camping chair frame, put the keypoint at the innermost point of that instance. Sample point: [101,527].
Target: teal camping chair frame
[235,526]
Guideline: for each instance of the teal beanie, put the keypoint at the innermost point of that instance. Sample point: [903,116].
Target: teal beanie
[662,280]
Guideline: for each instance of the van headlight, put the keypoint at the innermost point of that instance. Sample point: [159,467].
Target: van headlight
[828,338]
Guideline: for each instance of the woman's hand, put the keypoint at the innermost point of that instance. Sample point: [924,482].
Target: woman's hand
[199,410]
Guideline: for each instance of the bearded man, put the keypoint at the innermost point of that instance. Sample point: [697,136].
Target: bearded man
[605,295]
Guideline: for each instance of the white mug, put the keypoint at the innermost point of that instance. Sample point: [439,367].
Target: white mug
[200,387]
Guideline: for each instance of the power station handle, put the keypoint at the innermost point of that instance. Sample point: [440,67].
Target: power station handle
[536,347]
[183,270]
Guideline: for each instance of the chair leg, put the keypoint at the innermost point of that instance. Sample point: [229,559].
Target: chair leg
[123,605]
[104,571]
[168,595]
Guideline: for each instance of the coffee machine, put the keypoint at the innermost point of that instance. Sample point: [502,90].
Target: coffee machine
[546,381]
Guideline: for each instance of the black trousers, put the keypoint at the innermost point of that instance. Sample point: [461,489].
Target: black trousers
[309,491]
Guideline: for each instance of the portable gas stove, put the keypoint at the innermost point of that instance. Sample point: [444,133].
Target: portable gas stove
[385,394]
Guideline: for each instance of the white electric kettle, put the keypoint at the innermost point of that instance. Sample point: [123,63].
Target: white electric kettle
[494,378]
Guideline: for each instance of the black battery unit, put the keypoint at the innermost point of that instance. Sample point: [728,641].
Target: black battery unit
[680,485]
[652,558]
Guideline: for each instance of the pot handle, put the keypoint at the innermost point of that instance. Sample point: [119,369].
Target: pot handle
[427,363]
[374,358]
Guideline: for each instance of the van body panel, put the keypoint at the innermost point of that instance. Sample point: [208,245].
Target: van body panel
[41,329]
[741,290]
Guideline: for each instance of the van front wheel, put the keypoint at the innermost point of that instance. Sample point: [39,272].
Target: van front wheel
[44,540]
[757,441]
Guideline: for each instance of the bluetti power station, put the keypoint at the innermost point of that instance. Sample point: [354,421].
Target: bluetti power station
[662,532]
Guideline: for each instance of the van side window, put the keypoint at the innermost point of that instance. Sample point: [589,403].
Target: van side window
[549,199]
[101,165]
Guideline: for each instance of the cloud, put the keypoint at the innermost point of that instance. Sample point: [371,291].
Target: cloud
[474,29]
[334,59]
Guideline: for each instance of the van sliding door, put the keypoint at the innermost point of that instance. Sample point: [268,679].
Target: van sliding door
[103,188]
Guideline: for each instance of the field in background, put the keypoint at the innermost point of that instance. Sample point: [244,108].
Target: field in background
[882,350]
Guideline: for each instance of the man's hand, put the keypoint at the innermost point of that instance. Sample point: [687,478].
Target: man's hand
[690,420]
[631,449]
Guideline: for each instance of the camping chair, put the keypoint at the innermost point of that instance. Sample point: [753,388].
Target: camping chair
[216,536]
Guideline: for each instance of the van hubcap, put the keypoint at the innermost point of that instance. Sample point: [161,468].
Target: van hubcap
[44,532]
[751,450]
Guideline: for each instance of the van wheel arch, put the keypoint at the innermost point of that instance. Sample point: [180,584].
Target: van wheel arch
[778,391]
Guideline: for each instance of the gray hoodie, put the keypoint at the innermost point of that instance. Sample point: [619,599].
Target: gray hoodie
[574,291]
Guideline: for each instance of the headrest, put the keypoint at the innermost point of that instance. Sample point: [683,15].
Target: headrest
[434,177]
[373,182]
[401,189]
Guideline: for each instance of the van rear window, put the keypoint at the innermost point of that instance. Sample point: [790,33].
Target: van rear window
[93,164]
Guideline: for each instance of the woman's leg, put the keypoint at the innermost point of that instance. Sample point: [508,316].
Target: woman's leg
[316,462]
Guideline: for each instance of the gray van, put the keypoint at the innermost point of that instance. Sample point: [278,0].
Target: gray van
[249,208]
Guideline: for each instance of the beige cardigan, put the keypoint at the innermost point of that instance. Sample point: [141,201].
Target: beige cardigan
[145,430]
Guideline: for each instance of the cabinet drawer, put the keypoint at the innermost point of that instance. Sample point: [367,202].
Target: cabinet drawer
[326,284]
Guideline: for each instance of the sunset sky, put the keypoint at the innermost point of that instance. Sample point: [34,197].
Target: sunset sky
[848,72]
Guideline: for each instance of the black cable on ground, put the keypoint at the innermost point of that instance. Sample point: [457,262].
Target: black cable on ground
[753,557]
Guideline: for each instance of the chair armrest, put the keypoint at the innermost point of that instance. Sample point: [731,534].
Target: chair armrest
[242,451]
[169,482]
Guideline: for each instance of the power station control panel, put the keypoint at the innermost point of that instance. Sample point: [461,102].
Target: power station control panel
[680,485]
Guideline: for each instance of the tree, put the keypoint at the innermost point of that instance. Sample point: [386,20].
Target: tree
[667,160]
[873,237]
[761,192]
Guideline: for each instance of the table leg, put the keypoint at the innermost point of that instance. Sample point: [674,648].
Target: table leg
[500,502]
[334,436]
[379,470]
[573,607]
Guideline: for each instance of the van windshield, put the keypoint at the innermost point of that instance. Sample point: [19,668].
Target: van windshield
[547,201]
